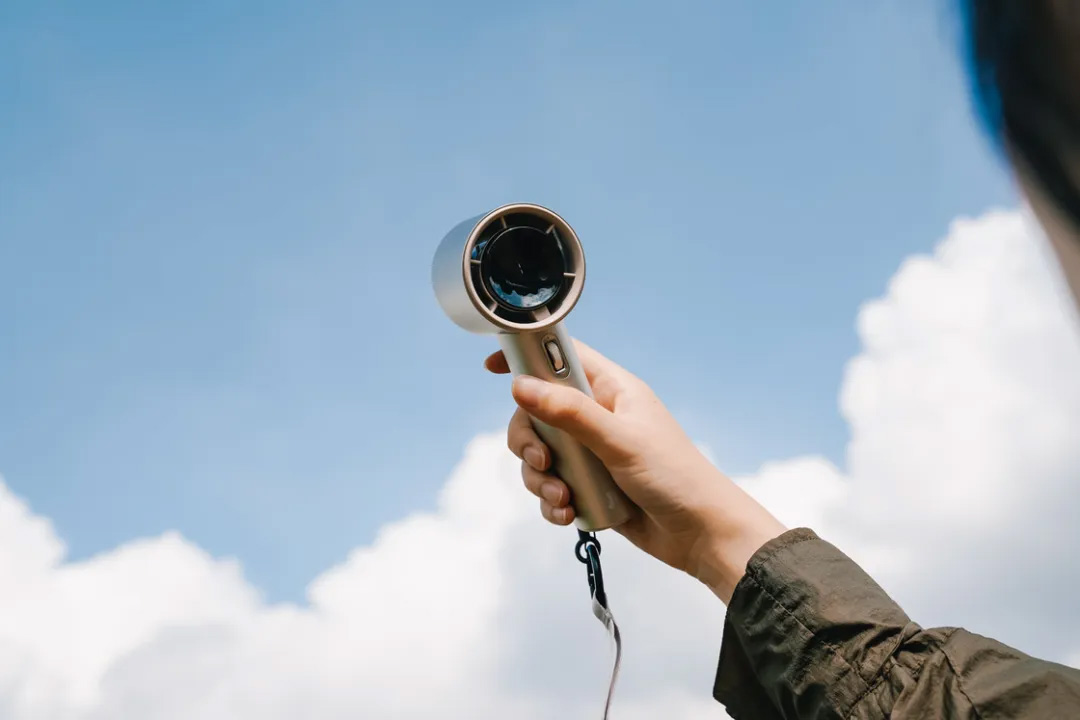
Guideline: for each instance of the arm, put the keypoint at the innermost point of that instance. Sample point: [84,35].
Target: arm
[810,634]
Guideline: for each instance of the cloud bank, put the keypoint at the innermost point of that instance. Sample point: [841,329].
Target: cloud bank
[962,483]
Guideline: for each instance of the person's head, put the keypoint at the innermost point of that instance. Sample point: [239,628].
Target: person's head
[1025,64]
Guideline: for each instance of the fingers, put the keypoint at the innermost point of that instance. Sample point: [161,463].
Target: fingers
[556,516]
[597,366]
[496,363]
[577,414]
[547,487]
[553,493]
[523,441]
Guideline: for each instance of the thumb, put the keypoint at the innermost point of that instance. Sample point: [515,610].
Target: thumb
[575,413]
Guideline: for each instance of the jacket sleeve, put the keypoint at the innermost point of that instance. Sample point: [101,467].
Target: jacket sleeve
[809,635]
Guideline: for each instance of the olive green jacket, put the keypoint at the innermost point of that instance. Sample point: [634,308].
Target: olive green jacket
[810,635]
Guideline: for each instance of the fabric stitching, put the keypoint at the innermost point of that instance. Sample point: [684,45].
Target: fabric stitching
[832,646]
[938,647]
[870,690]
[882,673]
[829,646]
[959,679]
[783,542]
[886,669]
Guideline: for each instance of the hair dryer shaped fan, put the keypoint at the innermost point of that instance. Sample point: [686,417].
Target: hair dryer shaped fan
[517,272]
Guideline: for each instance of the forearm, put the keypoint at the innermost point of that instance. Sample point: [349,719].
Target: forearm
[733,532]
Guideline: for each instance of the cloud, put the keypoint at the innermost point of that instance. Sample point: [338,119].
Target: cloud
[958,494]
[475,610]
[965,415]
[963,469]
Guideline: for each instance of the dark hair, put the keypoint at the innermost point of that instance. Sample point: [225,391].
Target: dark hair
[1024,59]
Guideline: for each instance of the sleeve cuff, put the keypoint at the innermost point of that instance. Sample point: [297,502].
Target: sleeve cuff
[806,629]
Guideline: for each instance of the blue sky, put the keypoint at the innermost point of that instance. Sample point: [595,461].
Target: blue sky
[217,221]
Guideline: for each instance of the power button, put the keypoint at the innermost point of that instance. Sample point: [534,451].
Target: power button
[555,356]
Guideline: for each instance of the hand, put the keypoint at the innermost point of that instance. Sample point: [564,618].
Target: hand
[694,518]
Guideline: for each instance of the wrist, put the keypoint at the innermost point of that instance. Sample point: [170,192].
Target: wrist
[730,537]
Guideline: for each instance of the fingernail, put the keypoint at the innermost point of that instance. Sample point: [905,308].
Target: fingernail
[529,390]
[553,494]
[562,515]
[535,457]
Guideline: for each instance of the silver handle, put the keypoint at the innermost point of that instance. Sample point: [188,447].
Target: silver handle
[549,354]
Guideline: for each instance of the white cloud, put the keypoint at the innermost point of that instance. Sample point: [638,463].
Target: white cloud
[963,479]
[962,476]
[476,610]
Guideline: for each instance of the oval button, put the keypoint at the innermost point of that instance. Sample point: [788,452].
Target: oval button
[555,356]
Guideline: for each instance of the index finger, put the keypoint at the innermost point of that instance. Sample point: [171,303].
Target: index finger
[496,363]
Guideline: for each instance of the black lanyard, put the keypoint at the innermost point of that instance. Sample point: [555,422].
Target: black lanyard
[587,551]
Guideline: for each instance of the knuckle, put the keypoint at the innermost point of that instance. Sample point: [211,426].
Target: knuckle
[569,408]
[516,437]
[562,494]
[530,478]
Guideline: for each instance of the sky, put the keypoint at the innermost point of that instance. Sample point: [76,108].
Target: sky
[231,410]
